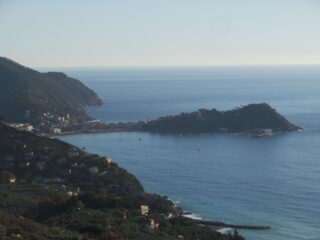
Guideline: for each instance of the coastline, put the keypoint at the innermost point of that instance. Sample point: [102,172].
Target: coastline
[98,127]
[256,120]
[219,226]
[253,134]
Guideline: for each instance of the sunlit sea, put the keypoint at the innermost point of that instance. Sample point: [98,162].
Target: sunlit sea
[271,181]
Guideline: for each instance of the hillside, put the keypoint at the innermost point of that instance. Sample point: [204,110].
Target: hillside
[25,94]
[252,118]
[52,190]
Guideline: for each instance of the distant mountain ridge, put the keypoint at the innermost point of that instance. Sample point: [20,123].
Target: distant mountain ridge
[250,119]
[25,94]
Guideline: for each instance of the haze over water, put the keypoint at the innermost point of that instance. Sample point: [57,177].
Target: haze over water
[237,179]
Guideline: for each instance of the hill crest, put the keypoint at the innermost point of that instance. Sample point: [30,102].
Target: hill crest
[26,94]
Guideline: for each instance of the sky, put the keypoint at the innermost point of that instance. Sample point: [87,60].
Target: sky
[95,33]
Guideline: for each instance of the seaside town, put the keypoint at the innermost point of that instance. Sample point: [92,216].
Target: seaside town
[240,120]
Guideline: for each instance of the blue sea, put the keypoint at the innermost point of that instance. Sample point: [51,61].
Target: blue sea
[271,181]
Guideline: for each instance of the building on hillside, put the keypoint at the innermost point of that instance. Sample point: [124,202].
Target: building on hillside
[29,128]
[12,179]
[154,224]
[7,177]
[56,130]
[144,210]
[22,126]
[108,161]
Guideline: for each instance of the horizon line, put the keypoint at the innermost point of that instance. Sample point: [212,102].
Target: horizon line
[177,66]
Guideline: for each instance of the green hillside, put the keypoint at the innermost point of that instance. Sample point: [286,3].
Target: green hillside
[252,118]
[26,94]
[52,190]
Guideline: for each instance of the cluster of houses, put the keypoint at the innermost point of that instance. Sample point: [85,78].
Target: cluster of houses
[153,224]
[40,160]
[27,127]
[49,122]
[54,123]
[73,193]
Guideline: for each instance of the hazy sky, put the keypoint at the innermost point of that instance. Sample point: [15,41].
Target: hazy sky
[160,32]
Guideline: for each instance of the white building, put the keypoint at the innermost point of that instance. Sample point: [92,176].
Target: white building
[56,130]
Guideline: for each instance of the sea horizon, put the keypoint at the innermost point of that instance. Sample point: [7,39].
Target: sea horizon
[168,67]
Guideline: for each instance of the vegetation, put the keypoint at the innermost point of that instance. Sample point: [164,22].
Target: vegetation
[255,119]
[25,94]
[248,119]
[62,192]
